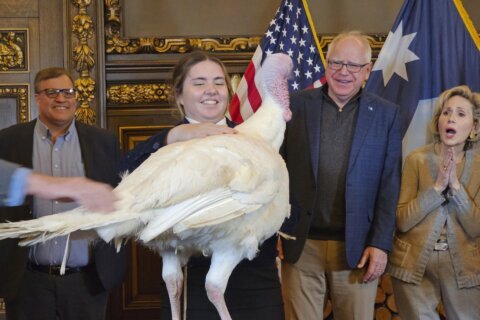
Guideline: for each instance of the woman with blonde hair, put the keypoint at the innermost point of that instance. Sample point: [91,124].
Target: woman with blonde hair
[436,254]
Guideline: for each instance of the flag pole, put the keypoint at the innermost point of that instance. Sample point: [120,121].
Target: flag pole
[468,22]
[310,21]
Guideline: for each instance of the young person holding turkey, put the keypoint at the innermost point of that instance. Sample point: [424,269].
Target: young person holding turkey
[202,92]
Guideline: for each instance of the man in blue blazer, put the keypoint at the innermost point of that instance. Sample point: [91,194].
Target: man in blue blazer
[343,152]
[57,145]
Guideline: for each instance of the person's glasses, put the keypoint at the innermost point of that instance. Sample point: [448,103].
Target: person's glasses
[351,67]
[53,93]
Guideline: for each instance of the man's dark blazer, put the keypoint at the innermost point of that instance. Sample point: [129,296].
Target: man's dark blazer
[372,180]
[100,155]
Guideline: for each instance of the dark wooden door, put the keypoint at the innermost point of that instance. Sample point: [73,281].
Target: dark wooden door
[138,297]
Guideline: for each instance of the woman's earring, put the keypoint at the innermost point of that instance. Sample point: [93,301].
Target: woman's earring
[473,135]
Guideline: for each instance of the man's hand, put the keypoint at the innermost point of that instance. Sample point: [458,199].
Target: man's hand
[376,260]
[93,195]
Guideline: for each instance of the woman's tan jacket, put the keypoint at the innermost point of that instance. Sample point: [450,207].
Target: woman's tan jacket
[422,214]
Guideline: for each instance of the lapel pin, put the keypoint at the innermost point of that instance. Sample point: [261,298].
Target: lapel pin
[370,108]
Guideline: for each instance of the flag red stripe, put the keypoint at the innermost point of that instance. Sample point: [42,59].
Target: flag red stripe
[234,110]
[281,36]
[253,95]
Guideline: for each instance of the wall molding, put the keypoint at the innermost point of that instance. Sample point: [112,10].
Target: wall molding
[21,92]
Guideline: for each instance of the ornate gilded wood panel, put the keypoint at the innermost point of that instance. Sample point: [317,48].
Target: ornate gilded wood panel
[14,50]
[151,93]
[84,61]
[14,104]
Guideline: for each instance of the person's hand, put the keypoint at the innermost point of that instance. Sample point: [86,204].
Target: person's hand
[447,164]
[196,130]
[93,195]
[377,262]
[453,181]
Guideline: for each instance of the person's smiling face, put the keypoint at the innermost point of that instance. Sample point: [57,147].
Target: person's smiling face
[343,84]
[56,113]
[204,93]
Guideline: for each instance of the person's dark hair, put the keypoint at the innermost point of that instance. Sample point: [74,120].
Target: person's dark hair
[183,67]
[50,73]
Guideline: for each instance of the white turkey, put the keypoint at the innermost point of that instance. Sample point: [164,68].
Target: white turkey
[221,195]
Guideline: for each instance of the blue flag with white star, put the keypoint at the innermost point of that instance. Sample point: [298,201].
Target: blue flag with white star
[432,47]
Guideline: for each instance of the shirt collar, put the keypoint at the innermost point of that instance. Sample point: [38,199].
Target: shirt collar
[326,96]
[45,133]
[222,121]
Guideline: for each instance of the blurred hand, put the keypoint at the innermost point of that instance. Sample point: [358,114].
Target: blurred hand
[376,259]
[186,132]
[95,196]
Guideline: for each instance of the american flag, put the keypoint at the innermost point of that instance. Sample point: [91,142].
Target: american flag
[291,32]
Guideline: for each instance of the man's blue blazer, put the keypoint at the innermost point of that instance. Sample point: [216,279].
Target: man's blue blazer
[373,174]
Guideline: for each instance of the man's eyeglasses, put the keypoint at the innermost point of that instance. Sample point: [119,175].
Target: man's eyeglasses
[69,93]
[351,67]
